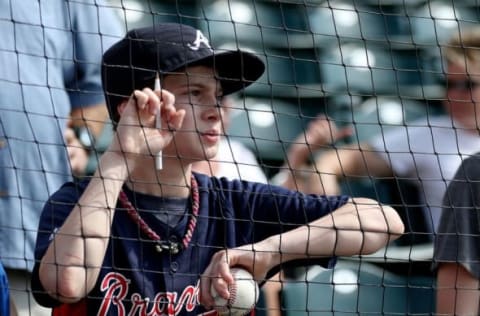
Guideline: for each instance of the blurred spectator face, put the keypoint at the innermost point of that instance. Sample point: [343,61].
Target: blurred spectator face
[463,94]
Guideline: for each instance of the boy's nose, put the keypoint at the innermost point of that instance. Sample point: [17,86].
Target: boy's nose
[212,113]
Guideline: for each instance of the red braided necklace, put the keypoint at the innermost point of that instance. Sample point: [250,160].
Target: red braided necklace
[172,246]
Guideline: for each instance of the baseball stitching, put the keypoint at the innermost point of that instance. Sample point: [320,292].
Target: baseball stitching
[227,308]
[233,297]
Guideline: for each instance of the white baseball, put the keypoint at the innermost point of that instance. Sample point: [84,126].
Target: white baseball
[243,294]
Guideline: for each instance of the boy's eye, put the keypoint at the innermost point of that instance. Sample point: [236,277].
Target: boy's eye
[195,93]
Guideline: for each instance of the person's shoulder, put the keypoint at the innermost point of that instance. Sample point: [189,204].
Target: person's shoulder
[472,161]
[228,185]
[474,156]
[206,182]
[468,171]
[213,181]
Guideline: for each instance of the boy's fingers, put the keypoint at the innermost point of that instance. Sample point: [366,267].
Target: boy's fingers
[153,101]
[176,120]
[146,97]
[167,97]
[205,295]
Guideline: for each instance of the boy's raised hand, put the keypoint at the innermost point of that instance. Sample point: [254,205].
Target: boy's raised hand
[136,134]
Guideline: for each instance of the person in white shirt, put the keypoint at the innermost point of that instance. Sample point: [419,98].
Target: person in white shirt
[426,152]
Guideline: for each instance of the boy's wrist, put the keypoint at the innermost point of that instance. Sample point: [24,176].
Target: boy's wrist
[112,165]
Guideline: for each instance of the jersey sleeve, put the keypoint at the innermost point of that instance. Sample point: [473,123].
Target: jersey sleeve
[395,147]
[266,210]
[458,237]
[273,210]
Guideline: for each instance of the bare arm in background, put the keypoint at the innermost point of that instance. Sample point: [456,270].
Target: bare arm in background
[321,132]
[349,161]
[458,291]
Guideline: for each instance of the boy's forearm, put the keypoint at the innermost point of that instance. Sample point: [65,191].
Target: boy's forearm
[70,266]
[360,227]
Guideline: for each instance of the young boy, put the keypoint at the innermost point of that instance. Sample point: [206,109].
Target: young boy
[137,240]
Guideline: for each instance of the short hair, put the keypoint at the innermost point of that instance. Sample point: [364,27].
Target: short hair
[464,48]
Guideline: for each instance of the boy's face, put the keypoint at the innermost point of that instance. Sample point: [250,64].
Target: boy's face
[198,92]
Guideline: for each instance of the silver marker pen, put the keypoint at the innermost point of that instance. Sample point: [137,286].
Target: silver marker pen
[158,125]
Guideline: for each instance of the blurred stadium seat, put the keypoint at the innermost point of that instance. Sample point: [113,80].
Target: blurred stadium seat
[290,73]
[371,68]
[143,13]
[261,23]
[292,67]
[357,288]
[331,21]
[435,21]
[268,126]
[293,73]
[376,115]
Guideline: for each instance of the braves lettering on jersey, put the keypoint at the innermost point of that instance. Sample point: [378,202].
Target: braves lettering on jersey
[136,279]
[115,287]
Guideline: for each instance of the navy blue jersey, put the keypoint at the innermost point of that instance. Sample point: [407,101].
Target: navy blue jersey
[138,280]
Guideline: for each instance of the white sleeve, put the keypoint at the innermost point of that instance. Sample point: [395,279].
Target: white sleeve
[239,162]
[399,145]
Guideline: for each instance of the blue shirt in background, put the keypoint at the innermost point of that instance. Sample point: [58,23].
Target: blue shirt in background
[50,54]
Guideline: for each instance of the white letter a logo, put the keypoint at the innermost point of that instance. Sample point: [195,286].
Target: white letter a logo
[198,41]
